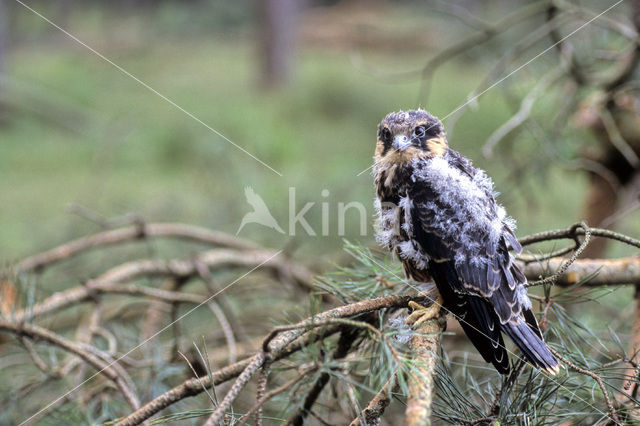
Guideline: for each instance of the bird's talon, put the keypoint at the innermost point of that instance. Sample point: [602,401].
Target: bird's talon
[422,314]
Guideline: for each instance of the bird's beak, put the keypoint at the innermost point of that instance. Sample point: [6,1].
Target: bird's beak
[401,142]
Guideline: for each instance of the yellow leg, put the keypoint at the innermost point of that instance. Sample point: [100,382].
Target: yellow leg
[421,313]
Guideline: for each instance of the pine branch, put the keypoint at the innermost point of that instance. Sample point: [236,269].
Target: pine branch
[601,272]
[375,409]
[423,348]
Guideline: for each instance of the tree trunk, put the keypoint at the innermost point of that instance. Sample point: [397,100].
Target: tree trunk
[3,40]
[277,41]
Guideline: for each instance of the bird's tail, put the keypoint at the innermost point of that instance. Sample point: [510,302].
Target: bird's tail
[528,339]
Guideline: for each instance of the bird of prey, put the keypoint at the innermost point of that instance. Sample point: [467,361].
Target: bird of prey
[260,213]
[439,215]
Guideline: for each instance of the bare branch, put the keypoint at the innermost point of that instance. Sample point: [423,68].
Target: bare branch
[304,372]
[572,232]
[347,336]
[278,347]
[132,233]
[220,411]
[612,411]
[194,386]
[374,410]
[180,269]
[603,271]
[35,332]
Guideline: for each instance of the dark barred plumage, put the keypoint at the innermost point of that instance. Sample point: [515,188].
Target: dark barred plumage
[438,214]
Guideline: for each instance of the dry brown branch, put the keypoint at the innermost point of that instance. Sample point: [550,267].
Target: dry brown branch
[630,386]
[347,336]
[38,333]
[254,365]
[156,311]
[194,386]
[179,269]
[37,360]
[85,293]
[304,371]
[261,388]
[226,329]
[579,248]
[622,271]
[423,349]
[612,411]
[278,347]
[572,232]
[375,409]
[132,233]
[487,33]
[221,299]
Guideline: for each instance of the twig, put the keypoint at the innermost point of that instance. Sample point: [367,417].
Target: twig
[573,231]
[308,325]
[598,379]
[218,415]
[272,393]
[616,138]
[226,329]
[565,49]
[261,388]
[522,115]
[481,420]
[278,347]
[157,310]
[36,332]
[37,361]
[178,269]
[602,272]
[222,300]
[193,387]
[486,34]
[347,336]
[374,410]
[579,249]
[132,233]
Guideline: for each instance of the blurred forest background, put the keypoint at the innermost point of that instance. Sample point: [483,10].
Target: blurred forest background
[84,147]
[76,131]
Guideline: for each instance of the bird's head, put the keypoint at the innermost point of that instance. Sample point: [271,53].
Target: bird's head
[406,135]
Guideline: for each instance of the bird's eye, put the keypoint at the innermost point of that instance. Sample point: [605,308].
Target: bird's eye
[385,134]
[419,132]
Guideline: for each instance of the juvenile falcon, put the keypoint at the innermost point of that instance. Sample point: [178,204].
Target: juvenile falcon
[438,214]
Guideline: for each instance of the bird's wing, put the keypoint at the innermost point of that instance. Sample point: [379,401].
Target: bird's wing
[255,200]
[467,241]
